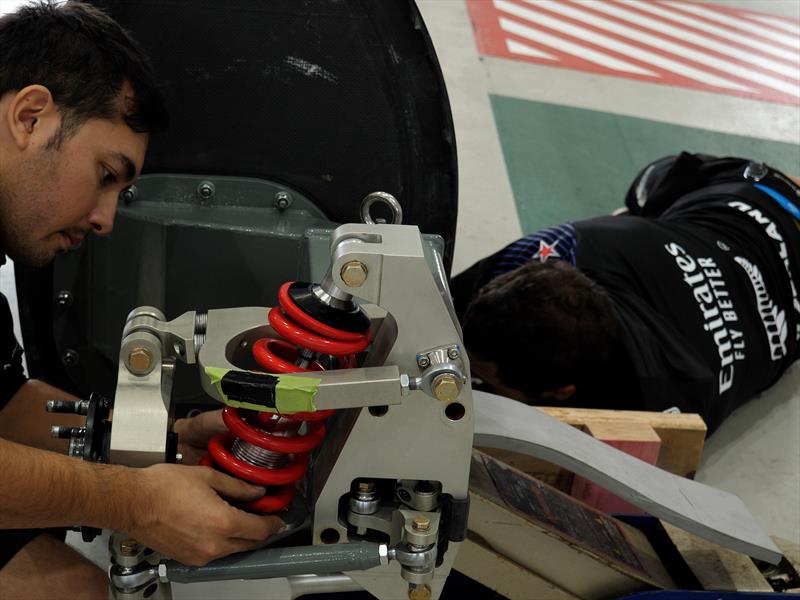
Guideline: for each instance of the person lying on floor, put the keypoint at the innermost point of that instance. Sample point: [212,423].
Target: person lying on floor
[688,300]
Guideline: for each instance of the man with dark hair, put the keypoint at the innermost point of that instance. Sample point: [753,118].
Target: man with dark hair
[689,300]
[77,105]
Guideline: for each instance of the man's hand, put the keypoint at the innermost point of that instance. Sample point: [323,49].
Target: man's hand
[194,433]
[178,511]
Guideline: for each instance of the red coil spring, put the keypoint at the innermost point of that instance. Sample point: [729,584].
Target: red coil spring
[277,434]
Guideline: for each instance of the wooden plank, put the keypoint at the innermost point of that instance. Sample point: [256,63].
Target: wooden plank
[682,437]
[503,575]
[636,439]
[789,570]
[716,568]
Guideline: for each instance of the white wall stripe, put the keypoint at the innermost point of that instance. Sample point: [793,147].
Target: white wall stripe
[789,28]
[525,50]
[661,11]
[618,11]
[787,40]
[676,49]
[568,47]
[636,52]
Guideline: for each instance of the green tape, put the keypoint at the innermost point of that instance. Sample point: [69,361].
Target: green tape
[296,394]
[291,393]
[215,375]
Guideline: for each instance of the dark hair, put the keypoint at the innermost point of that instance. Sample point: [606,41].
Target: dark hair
[545,325]
[83,57]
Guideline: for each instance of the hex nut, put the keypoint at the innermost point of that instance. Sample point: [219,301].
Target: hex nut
[421,524]
[129,547]
[354,273]
[140,359]
[445,387]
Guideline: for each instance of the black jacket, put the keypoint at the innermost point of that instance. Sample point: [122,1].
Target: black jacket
[703,275]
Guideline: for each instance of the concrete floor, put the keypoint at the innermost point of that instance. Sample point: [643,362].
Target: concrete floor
[756,453]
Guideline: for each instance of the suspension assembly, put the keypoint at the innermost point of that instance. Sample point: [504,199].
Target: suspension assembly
[319,332]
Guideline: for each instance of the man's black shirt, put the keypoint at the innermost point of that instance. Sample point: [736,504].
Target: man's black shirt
[703,285]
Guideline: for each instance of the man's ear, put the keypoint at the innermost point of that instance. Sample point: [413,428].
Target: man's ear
[32,114]
[562,394]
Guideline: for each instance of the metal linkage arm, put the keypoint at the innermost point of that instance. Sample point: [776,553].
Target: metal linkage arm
[707,512]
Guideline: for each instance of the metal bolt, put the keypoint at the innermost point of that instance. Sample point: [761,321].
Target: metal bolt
[80,407]
[129,547]
[423,362]
[206,190]
[445,387]
[354,273]
[70,358]
[283,200]
[419,591]
[64,432]
[453,353]
[366,487]
[140,359]
[64,299]
[129,194]
[421,524]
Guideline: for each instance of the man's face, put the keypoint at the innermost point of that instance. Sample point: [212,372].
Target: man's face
[54,197]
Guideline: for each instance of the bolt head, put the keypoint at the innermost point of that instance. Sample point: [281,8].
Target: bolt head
[421,524]
[129,194]
[423,362]
[366,487]
[445,387]
[453,353]
[70,358]
[206,190]
[282,200]
[140,359]
[354,273]
[64,298]
[129,547]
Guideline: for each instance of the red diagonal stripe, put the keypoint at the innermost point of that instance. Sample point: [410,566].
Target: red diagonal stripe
[490,38]
[714,7]
[668,76]
[690,45]
[706,34]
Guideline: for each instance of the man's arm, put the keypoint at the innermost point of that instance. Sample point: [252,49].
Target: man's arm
[174,509]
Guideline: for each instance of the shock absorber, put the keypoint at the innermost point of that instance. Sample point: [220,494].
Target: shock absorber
[319,330]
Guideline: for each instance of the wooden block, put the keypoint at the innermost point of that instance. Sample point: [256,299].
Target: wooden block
[503,575]
[717,568]
[682,437]
[636,439]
